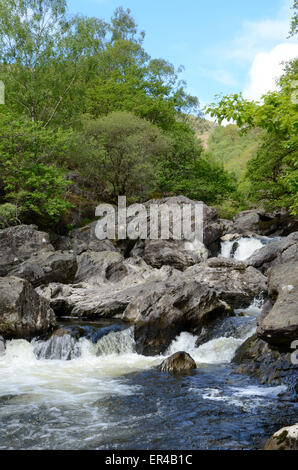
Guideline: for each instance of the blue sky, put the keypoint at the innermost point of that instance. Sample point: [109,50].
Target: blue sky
[225,46]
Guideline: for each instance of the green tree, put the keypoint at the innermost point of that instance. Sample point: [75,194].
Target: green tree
[31,177]
[294,23]
[273,172]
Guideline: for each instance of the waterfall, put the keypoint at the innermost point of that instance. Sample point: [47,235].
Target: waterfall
[120,342]
[244,247]
[63,347]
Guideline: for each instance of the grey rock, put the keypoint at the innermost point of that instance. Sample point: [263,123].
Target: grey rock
[20,243]
[178,363]
[23,313]
[158,253]
[97,267]
[280,326]
[47,266]
[262,223]
[284,439]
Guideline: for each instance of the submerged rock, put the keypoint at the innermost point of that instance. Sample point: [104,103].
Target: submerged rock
[255,357]
[178,363]
[23,313]
[18,244]
[284,439]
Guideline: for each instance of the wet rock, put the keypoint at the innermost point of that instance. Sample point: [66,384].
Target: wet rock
[235,283]
[18,244]
[2,346]
[47,266]
[97,267]
[255,357]
[281,251]
[163,312]
[178,363]
[280,326]
[284,439]
[23,313]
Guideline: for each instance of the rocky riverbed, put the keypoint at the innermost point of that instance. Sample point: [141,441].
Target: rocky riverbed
[91,322]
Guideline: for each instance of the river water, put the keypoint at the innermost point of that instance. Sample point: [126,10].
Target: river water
[108,397]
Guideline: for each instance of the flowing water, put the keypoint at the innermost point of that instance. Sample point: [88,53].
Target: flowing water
[244,247]
[105,396]
[93,391]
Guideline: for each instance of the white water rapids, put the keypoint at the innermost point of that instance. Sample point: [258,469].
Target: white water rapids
[244,247]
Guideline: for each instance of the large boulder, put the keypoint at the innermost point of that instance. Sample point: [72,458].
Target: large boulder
[236,284]
[18,244]
[23,313]
[84,239]
[158,253]
[97,267]
[47,266]
[260,222]
[178,363]
[280,326]
[255,357]
[284,439]
[275,253]
[163,312]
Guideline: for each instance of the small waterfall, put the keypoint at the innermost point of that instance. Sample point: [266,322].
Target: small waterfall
[63,347]
[244,247]
[119,342]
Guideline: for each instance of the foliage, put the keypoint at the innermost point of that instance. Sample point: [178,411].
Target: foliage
[294,23]
[9,215]
[30,176]
[273,171]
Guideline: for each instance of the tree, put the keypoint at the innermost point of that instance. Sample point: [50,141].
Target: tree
[273,172]
[294,23]
[31,178]
[121,151]
[44,57]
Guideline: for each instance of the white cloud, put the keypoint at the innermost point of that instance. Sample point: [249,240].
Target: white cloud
[267,68]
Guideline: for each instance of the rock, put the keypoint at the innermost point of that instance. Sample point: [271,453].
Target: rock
[226,225]
[84,239]
[236,327]
[236,284]
[47,266]
[255,357]
[262,223]
[163,311]
[284,439]
[178,363]
[23,313]
[281,251]
[280,326]
[18,244]
[2,346]
[97,267]
[107,299]
[158,253]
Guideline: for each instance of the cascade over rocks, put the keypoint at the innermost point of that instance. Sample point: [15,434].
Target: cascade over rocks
[178,363]
[172,307]
[23,313]
[20,243]
[236,283]
[281,251]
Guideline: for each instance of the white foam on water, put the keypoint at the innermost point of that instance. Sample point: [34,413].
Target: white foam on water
[254,310]
[246,248]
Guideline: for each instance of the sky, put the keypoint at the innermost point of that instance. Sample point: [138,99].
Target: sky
[226,46]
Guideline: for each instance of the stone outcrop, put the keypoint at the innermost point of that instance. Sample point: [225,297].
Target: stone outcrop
[18,244]
[178,363]
[255,357]
[98,267]
[47,266]
[284,439]
[280,326]
[262,223]
[23,313]
[275,253]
